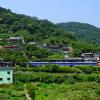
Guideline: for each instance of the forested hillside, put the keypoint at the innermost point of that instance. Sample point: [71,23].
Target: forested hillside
[84,32]
[32,28]
[81,37]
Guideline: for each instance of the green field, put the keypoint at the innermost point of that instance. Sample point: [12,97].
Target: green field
[53,91]
[12,92]
[54,83]
[77,91]
[61,83]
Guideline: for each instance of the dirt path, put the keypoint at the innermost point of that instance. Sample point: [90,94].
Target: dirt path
[27,95]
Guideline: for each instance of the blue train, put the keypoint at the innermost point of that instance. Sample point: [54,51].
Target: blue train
[60,63]
[63,63]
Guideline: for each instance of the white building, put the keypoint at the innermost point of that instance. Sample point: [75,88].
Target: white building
[6,75]
[97,56]
[87,56]
[91,56]
[15,39]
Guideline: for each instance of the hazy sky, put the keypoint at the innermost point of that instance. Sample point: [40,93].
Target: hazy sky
[86,11]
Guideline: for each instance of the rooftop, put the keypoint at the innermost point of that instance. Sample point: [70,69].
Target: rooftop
[97,53]
[6,68]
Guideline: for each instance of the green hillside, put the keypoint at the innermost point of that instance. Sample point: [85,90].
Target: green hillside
[81,37]
[84,32]
[31,29]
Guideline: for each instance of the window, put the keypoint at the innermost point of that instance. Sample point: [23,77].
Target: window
[1,79]
[8,72]
[8,79]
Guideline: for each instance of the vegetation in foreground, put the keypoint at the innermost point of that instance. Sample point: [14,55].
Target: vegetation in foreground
[53,83]
[61,83]
[53,91]
[77,91]
[12,92]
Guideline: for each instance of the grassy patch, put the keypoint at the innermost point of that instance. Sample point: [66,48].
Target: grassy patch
[12,92]
[77,91]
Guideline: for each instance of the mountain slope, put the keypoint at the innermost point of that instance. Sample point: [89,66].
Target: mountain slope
[84,32]
[81,37]
[32,28]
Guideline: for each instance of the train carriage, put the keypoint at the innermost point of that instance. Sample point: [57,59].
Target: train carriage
[64,63]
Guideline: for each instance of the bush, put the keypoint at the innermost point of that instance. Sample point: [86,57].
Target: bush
[87,69]
[54,77]
[61,69]
[18,94]
[31,90]
[98,79]
[97,92]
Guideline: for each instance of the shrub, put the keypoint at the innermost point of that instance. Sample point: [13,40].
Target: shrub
[98,79]
[86,69]
[97,91]
[31,90]
[54,77]
[18,94]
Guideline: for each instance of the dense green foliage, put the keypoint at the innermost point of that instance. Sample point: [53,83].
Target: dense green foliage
[88,37]
[31,90]
[13,55]
[83,31]
[61,82]
[31,27]
[53,91]
[12,92]
[35,53]
[57,74]
[77,91]
[55,77]
[60,69]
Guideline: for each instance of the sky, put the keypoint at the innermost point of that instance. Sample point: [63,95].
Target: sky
[85,11]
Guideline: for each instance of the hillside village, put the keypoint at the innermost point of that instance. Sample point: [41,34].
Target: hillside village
[16,43]
[29,39]
[42,60]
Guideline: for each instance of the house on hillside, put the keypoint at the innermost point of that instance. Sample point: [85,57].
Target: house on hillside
[6,75]
[44,44]
[91,56]
[97,56]
[87,56]
[1,39]
[55,47]
[32,43]
[11,47]
[14,39]
[67,49]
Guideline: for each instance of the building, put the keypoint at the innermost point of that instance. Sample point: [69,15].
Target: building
[32,43]
[11,47]
[6,75]
[1,39]
[97,56]
[87,56]
[14,39]
[91,56]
